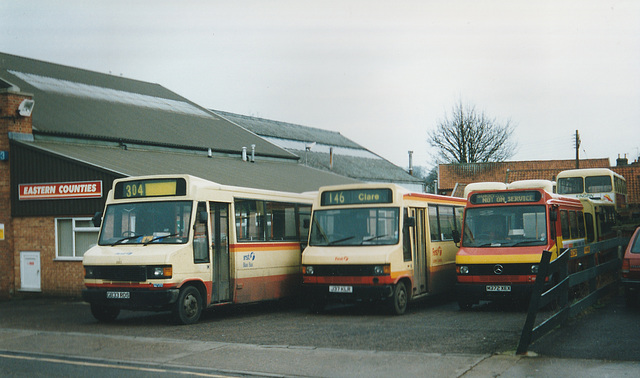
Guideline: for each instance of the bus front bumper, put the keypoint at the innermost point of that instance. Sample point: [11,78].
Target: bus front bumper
[472,293]
[138,299]
[346,293]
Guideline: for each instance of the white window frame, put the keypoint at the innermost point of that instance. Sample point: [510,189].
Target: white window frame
[74,229]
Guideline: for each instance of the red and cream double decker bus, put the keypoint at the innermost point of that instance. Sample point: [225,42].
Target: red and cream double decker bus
[380,242]
[182,243]
[505,231]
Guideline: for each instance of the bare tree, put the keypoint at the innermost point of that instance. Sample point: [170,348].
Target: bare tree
[469,136]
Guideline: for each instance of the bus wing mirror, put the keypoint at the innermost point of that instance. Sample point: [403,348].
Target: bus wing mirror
[202,217]
[97,219]
[456,236]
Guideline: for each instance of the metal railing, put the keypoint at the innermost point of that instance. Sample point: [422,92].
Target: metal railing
[571,293]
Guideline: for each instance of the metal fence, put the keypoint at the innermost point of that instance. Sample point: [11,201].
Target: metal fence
[594,270]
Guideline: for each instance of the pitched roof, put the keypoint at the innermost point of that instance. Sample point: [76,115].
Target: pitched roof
[262,174]
[314,147]
[75,102]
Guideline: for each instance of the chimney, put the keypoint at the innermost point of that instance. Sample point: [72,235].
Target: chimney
[411,163]
[622,161]
[244,153]
[253,153]
[330,158]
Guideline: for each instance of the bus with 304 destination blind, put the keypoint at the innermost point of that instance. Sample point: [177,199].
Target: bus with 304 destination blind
[380,242]
[182,243]
[504,233]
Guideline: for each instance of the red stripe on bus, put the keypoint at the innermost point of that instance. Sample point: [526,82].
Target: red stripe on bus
[497,279]
[348,280]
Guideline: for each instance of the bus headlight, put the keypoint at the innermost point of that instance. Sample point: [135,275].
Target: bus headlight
[534,268]
[308,270]
[463,269]
[378,270]
[89,272]
[159,272]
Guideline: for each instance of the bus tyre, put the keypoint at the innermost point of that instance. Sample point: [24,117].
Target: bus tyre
[188,307]
[104,313]
[398,302]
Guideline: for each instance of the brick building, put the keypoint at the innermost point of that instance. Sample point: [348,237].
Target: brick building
[452,178]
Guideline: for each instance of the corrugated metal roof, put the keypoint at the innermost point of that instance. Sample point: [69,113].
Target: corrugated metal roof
[263,174]
[349,158]
[284,130]
[72,101]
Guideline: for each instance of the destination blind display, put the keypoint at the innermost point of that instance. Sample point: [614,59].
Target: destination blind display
[150,188]
[356,197]
[505,197]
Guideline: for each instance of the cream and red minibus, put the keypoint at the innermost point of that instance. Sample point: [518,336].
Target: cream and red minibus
[181,243]
[380,242]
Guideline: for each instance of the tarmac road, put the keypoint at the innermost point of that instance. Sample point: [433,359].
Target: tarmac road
[436,339]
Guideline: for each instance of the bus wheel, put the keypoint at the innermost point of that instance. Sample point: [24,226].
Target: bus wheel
[188,307]
[104,313]
[398,302]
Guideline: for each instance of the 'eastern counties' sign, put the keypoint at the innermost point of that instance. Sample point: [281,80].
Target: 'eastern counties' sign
[65,190]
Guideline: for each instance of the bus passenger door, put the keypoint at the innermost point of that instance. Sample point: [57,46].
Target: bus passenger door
[420,255]
[219,217]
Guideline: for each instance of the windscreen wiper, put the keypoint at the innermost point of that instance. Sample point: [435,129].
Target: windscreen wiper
[125,238]
[158,238]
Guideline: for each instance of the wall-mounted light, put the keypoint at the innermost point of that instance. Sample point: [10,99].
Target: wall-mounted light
[26,107]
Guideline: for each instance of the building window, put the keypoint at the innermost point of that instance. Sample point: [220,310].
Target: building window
[74,236]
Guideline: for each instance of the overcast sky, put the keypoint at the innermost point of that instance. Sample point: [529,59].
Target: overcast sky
[382,73]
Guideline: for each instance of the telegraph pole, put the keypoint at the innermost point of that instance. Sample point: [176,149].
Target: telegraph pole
[577,149]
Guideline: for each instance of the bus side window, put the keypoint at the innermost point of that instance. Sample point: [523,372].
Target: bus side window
[250,220]
[458,215]
[446,221]
[281,221]
[406,235]
[200,238]
[434,227]
[581,231]
[573,223]
[304,215]
[564,224]
[588,219]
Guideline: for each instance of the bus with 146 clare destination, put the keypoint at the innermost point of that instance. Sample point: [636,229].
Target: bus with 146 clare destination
[181,243]
[379,242]
[504,233]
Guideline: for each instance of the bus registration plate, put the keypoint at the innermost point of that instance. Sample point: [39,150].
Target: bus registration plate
[340,289]
[504,288]
[118,295]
